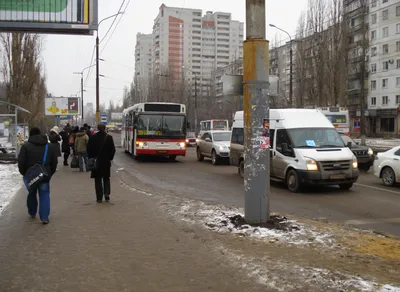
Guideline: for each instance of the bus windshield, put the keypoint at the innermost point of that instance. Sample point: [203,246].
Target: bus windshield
[161,125]
[337,119]
[220,125]
[315,138]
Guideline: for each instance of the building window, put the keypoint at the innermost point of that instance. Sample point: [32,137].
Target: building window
[398,81]
[398,99]
[373,51]
[385,1]
[385,49]
[373,18]
[385,83]
[398,28]
[398,64]
[373,3]
[387,124]
[373,35]
[397,10]
[385,14]
[352,22]
[385,66]
[385,32]
[373,84]
[385,100]
[398,46]
[373,68]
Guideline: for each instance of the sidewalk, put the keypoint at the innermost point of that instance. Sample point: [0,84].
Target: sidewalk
[124,245]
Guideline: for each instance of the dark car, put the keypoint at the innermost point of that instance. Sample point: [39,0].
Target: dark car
[365,155]
[191,139]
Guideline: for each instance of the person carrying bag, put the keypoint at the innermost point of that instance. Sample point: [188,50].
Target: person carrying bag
[37,173]
[93,163]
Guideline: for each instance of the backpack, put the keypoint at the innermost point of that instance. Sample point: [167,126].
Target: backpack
[71,140]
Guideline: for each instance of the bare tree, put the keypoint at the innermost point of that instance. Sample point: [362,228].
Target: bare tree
[300,74]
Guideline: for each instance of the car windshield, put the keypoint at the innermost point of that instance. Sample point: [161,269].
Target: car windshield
[315,138]
[161,125]
[347,139]
[191,135]
[222,137]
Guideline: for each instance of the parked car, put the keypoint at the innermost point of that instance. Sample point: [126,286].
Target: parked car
[191,139]
[365,155]
[214,145]
[387,166]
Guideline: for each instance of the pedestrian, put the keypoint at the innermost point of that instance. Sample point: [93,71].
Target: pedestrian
[87,129]
[72,139]
[101,146]
[81,142]
[31,153]
[54,138]
[66,149]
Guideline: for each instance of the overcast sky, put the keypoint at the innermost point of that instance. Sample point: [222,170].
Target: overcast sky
[64,55]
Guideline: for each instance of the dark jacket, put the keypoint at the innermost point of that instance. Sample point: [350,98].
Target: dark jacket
[88,132]
[32,153]
[65,140]
[105,154]
[54,139]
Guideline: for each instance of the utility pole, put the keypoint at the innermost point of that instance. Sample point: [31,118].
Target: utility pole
[291,64]
[82,96]
[195,104]
[256,113]
[97,81]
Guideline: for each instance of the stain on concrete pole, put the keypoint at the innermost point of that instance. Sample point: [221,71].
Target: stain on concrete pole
[256,114]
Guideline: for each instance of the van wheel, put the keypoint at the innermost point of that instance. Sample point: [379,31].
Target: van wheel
[214,158]
[293,182]
[199,156]
[346,186]
[388,176]
[241,169]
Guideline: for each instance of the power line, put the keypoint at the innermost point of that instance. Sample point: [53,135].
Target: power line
[91,62]
[115,18]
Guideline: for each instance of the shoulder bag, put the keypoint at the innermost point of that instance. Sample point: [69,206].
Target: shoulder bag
[37,174]
[93,163]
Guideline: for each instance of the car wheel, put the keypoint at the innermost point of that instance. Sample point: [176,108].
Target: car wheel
[293,182]
[388,176]
[214,158]
[199,156]
[346,186]
[241,169]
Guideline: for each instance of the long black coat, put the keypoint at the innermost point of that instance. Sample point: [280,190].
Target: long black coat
[105,154]
[54,139]
[65,140]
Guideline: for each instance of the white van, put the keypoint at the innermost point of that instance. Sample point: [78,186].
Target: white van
[305,150]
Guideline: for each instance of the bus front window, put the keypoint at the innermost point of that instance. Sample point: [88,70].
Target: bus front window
[223,125]
[337,119]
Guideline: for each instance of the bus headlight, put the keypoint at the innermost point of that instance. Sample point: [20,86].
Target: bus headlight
[355,163]
[187,140]
[311,164]
[370,152]
[182,145]
[140,144]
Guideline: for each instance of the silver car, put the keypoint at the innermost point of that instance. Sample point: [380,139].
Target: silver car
[214,145]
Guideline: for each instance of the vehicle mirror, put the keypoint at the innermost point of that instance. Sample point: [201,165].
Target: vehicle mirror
[349,144]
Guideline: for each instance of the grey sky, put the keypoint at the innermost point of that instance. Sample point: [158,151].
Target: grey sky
[64,55]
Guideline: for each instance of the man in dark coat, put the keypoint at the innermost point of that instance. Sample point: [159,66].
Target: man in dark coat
[101,146]
[32,153]
[65,147]
[87,129]
[54,138]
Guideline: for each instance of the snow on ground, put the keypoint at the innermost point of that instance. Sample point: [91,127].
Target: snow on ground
[380,143]
[4,142]
[10,182]
[216,218]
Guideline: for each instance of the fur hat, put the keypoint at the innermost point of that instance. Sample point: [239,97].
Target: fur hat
[56,130]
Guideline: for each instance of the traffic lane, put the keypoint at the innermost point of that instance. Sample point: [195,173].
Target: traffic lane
[362,206]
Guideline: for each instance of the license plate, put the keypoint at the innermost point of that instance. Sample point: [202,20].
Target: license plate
[162,151]
[337,176]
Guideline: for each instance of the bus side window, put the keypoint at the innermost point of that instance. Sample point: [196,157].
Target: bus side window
[135,120]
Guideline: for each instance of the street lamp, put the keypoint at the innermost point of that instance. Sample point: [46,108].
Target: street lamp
[291,65]
[195,98]
[97,68]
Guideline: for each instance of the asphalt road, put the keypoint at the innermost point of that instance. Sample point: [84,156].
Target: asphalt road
[368,204]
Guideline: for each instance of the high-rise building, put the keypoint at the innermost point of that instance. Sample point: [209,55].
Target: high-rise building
[143,64]
[186,43]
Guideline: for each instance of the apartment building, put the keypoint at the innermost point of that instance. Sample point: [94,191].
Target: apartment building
[187,44]
[384,67]
[143,64]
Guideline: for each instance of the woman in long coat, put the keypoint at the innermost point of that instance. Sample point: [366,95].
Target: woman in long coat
[54,138]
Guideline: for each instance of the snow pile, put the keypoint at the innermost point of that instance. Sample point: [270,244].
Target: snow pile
[221,219]
[10,182]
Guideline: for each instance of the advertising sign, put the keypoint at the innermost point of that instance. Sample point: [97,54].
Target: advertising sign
[116,117]
[49,16]
[61,106]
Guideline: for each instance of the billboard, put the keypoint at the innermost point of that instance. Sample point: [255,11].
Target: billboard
[61,106]
[49,16]
[116,117]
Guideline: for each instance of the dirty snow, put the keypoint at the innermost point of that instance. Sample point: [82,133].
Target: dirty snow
[10,182]
[216,218]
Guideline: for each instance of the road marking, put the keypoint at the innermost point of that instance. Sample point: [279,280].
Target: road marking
[377,189]
[376,221]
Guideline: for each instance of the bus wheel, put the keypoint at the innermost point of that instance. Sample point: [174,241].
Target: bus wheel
[172,157]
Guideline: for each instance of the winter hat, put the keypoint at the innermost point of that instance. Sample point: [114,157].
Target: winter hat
[56,130]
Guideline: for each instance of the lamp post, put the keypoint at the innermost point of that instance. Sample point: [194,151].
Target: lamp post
[81,73]
[291,65]
[195,98]
[97,68]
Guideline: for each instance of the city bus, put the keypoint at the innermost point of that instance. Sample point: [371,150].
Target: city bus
[154,128]
[211,125]
[339,117]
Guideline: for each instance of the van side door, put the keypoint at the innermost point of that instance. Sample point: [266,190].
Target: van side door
[284,154]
